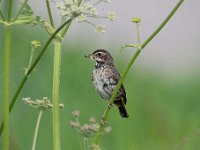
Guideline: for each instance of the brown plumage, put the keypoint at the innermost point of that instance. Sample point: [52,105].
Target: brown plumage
[105,78]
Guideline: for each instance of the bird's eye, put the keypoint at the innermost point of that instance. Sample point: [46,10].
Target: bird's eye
[98,54]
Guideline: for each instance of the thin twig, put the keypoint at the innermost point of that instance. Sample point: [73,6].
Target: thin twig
[36,130]
[130,64]
[30,60]
[138,33]
[49,13]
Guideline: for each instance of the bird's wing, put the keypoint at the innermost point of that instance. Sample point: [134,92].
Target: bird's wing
[114,78]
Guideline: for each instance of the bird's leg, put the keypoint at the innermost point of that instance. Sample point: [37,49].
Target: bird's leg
[103,121]
[109,104]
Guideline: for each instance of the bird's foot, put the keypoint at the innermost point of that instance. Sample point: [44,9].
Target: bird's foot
[110,104]
[103,121]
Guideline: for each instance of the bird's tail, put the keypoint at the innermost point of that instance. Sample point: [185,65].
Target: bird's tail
[120,102]
[123,112]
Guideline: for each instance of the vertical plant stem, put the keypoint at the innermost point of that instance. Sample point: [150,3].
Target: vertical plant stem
[55,95]
[37,129]
[1,15]
[23,81]
[138,33]
[105,115]
[6,75]
[85,143]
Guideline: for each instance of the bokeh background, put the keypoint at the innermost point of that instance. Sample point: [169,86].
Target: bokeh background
[163,86]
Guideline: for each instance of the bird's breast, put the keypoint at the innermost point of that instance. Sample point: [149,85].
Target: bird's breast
[101,82]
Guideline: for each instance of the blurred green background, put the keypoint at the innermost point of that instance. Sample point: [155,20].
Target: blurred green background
[164,111]
[163,86]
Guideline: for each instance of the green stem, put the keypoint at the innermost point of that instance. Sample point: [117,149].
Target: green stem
[55,95]
[131,63]
[6,94]
[64,31]
[138,33]
[1,15]
[30,60]
[37,129]
[9,10]
[6,75]
[49,13]
[85,143]
[22,83]
[18,12]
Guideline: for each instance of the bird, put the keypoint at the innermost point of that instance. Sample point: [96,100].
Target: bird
[105,78]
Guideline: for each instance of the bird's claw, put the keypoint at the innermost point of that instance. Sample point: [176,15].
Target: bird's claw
[110,104]
[103,121]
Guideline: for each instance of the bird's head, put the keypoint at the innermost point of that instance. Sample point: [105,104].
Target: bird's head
[101,56]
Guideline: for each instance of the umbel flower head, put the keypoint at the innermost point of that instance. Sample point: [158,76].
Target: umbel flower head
[88,129]
[42,104]
[84,11]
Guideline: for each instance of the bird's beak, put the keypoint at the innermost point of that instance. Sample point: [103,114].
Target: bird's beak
[91,56]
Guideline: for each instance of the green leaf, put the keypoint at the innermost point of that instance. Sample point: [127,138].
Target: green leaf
[24,20]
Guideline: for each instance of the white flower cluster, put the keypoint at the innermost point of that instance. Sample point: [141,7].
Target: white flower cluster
[83,11]
[40,104]
[88,129]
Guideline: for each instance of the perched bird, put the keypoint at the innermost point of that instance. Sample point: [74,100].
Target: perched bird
[105,78]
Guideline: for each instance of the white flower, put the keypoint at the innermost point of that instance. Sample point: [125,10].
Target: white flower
[81,18]
[93,11]
[100,28]
[106,1]
[87,6]
[83,11]
[112,16]
[69,2]
[60,6]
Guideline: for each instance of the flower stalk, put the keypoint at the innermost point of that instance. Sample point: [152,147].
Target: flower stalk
[23,81]
[49,13]
[55,94]
[105,115]
[85,143]
[6,75]
[37,129]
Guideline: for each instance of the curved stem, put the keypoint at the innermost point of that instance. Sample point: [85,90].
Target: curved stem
[131,63]
[22,83]
[37,129]
[30,60]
